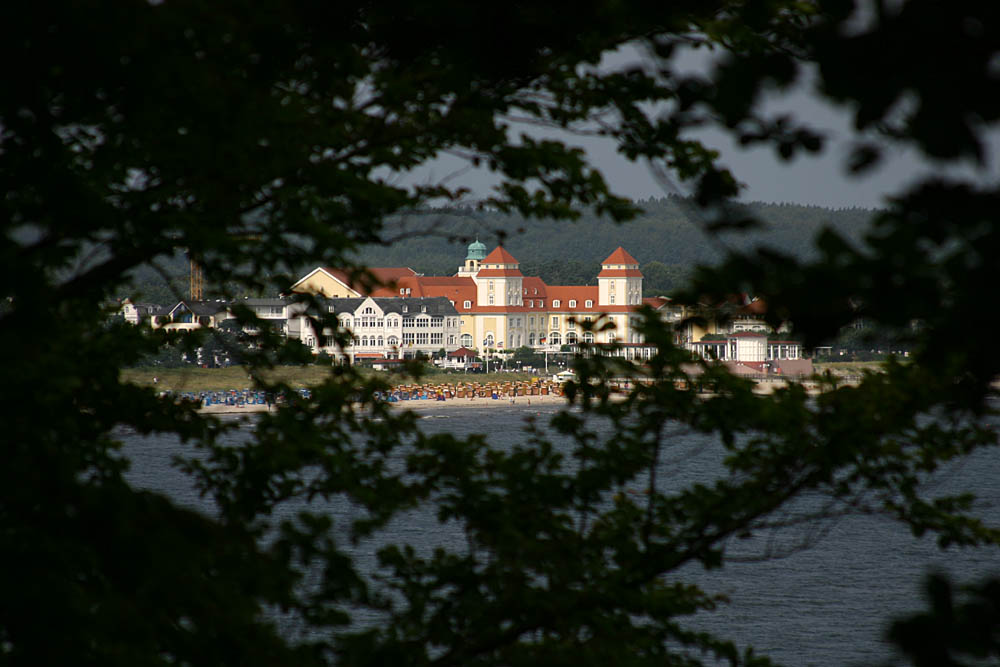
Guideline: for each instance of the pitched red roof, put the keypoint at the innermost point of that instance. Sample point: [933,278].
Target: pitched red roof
[499,273]
[581,293]
[457,289]
[620,273]
[499,256]
[620,256]
[655,301]
[533,287]
[756,307]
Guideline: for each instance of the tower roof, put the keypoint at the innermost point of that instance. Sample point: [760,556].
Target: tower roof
[500,256]
[477,250]
[620,256]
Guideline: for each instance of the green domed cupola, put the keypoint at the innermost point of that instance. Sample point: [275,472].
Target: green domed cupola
[477,251]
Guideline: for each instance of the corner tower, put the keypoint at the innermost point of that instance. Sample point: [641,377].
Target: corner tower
[620,282]
[499,281]
[473,258]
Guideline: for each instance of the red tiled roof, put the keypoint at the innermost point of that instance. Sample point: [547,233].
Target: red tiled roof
[534,287]
[620,273]
[462,352]
[620,256]
[581,293]
[499,273]
[453,288]
[755,307]
[499,256]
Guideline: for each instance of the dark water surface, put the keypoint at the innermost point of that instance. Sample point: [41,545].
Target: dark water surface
[825,605]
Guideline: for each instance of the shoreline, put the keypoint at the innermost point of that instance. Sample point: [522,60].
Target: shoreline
[504,400]
[415,404]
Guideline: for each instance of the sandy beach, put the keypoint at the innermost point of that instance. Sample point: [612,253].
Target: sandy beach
[480,402]
[417,405]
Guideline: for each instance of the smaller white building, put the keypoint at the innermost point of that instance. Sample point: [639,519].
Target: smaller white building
[746,346]
[274,312]
[382,327]
[189,314]
[138,313]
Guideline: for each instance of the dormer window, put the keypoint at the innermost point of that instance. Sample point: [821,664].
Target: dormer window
[405,309]
[423,309]
[467,304]
[589,303]
[572,303]
[555,303]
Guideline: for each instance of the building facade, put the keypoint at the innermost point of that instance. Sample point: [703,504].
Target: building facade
[382,327]
[501,309]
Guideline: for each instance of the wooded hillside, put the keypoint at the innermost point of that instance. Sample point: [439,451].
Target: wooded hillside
[668,240]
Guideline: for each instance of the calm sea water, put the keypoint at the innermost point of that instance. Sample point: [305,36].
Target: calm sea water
[825,605]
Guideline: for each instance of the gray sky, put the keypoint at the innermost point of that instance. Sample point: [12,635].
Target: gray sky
[811,180]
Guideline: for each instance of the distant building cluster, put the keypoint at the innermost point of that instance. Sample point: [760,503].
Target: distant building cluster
[487,305]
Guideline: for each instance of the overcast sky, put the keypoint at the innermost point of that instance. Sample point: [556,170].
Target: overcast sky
[809,180]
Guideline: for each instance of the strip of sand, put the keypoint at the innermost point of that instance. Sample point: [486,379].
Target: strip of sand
[416,404]
[477,402]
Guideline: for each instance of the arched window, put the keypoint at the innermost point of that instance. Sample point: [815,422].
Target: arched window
[392,340]
[571,338]
[380,343]
[466,340]
[588,337]
[555,338]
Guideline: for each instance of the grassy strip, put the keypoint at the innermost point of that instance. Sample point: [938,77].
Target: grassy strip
[849,367]
[195,379]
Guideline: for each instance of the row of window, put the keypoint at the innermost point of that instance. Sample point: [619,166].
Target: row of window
[392,341]
[422,338]
[392,322]
[423,322]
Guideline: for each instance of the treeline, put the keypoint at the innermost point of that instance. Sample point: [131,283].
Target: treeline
[668,239]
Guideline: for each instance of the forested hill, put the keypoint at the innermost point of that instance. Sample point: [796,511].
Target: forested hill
[668,239]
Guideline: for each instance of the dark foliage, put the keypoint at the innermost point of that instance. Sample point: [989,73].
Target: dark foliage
[264,137]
